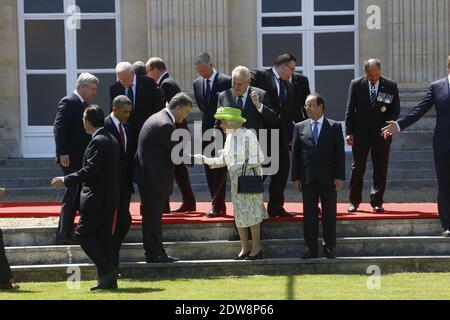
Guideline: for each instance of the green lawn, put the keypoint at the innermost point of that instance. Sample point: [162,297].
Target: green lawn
[395,286]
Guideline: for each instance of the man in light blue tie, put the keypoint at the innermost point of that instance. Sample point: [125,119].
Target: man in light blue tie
[318,170]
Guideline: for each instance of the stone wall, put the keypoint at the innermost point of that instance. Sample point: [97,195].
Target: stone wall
[10,135]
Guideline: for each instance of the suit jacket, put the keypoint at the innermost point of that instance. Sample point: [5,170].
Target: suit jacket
[147,102]
[323,162]
[221,83]
[126,155]
[255,120]
[265,80]
[301,91]
[438,95]
[68,129]
[99,176]
[361,119]
[168,88]
[154,167]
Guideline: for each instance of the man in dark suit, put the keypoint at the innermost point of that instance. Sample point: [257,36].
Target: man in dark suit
[168,88]
[155,170]
[99,182]
[372,100]
[116,124]
[6,277]
[439,96]
[206,89]
[71,141]
[144,95]
[318,170]
[300,89]
[275,82]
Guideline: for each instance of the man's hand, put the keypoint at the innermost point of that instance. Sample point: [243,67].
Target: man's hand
[298,185]
[339,184]
[349,140]
[2,192]
[390,130]
[255,100]
[64,160]
[57,182]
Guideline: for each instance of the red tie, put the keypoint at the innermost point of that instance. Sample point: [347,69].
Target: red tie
[85,105]
[122,137]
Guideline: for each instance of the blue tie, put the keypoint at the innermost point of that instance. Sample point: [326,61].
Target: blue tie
[316,132]
[240,102]
[283,94]
[207,91]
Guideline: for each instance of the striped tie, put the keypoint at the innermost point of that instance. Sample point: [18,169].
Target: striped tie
[373,95]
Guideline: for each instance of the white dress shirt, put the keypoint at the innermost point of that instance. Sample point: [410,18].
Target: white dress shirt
[211,80]
[319,125]
[133,87]
[79,96]
[376,87]
[170,114]
[277,80]
[159,80]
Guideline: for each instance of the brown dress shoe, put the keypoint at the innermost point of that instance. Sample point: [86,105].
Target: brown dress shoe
[9,286]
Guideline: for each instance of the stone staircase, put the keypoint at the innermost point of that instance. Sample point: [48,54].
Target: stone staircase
[205,251]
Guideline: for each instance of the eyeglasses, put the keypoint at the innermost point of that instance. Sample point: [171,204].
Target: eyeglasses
[292,69]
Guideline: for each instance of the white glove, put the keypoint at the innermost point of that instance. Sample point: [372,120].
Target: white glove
[199,159]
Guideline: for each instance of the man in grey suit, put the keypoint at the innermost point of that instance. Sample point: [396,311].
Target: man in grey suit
[253,102]
[154,172]
[439,96]
[318,170]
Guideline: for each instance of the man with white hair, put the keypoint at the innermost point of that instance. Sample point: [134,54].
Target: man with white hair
[144,96]
[71,141]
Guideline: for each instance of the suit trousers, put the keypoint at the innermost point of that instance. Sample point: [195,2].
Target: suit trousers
[181,175]
[442,164]
[217,181]
[152,209]
[278,182]
[69,206]
[328,196]
[379,149]
[5,270]
[94,232]
[123,222]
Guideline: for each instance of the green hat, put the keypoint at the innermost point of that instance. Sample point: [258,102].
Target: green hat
[230,114]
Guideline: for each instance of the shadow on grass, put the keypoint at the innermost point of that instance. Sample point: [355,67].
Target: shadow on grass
[133,290]
[17,291]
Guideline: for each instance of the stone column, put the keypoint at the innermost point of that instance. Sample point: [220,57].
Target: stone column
[178,30]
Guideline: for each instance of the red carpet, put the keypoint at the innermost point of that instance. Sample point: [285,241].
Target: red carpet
[393,211]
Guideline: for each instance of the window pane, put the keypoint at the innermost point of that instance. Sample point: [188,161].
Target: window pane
[96,44]
[276,44]
[333,5]
[334,48]
[44,43]
[281,6]
[334,20]
[102,98]
[333,86]
[44,93]
[281,21]
[89,6]
[43,6]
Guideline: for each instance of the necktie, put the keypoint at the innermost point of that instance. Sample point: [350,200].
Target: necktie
[283,94]
[85,105]
[373,95]
[240,102]
[130,95]
[122,137]
[207,91]
[316,132]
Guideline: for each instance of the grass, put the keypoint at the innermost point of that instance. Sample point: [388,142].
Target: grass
[417,286]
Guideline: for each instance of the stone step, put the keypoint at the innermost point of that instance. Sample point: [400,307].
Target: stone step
[45,236]
[30,172]
[216,250]
[214,268]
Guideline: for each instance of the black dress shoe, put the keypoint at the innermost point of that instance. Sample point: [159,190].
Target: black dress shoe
[352,208]
[67,242]
[11,285]
[311,254]
[258,256]
[111,286]
[378,209]
[245,255]
[215,214]
[161,259]
[107,282]
[185,208]
[283,213]
[329,253]
[446,233]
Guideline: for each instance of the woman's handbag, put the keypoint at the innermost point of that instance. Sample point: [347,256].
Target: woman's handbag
[250,184]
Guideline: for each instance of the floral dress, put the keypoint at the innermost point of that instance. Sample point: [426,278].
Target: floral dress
[241,145]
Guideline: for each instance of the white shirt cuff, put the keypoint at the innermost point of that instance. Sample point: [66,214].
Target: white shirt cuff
[398,127]
[260,110]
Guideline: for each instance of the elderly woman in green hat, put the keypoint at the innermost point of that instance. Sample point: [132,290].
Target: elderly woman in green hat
[241,145]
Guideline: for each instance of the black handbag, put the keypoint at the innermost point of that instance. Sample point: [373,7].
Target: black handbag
[250,184]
